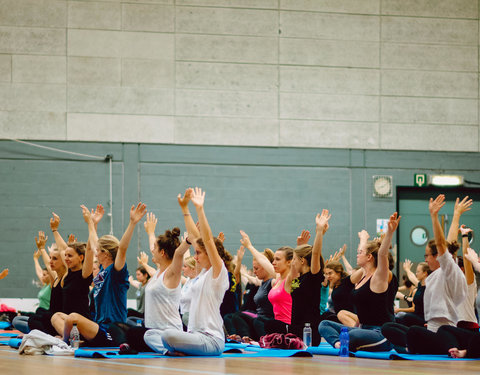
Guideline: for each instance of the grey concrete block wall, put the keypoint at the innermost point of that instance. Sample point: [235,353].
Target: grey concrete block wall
[345,73]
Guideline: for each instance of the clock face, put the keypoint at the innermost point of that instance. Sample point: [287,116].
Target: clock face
[383,186]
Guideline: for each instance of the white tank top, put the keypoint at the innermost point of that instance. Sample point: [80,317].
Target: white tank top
[162,304]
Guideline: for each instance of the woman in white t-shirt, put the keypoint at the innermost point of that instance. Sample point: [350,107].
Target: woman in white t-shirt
[205,334]
[162,292]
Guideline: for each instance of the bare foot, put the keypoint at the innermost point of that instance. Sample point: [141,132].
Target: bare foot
[234,338]
[175,354]
[337,345]
[456,353]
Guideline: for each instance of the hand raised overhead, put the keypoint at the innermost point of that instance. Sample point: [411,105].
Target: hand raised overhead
[136,213]
[150,223]
[198,197]
[41,240]
[436,204]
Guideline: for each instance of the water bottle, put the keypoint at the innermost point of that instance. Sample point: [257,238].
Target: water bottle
[344,342]
[74,337]
[307,335]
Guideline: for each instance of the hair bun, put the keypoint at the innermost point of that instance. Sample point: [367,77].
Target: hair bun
[175,232]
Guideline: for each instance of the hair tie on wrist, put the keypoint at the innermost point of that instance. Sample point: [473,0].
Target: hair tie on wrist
[187,241]
[54,230]
[464,235]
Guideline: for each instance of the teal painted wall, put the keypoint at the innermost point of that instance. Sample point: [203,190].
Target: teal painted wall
[272,193]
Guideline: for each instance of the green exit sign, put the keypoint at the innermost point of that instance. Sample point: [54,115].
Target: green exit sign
[420,180]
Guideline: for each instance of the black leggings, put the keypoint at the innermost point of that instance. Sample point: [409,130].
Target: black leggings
[410,319]
[420,340]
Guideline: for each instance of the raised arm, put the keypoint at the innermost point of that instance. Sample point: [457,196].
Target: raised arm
[259,257]
[150,225]
[321,227]
[460,207]
[40,242]
[237,272]
[193,232]
[173,274]
[472,256]
[4,274]
[407,267]
[467,265]
[54,223]
[434,207]
[136,214]
[363,236]
[303,238]
[143,261]
[97,215]
[87,267]
[379,281]
[135,283]
[198,199]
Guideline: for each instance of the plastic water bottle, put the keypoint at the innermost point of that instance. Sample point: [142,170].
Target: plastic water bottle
[344,342]
[74,337]
[307,335]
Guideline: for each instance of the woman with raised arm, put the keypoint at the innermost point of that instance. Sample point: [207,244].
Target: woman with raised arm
[370,297]
[414,316]
[189,270]
[110,285]
[245,324]
[20,322]
[57,271]
[140,283]
[341,297]
[76,284]
[162,293]
[445,290]
[304,281]
[205,334]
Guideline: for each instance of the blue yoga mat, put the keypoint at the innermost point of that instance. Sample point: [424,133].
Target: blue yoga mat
[112,353]
[392,354]
[15,343]
[8,334]
[4,325]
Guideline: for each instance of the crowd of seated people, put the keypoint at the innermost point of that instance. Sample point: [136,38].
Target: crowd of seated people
[195,313]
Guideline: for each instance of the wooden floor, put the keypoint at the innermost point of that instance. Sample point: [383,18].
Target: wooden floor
[11,363]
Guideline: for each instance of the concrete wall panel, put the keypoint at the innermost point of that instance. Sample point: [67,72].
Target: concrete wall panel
[333,6]
[148,17]
[428,8]
[217,76]
[33,13]
[226,103]
[296,133]
[329,53]
[35,97]
[329,80]
[424,83]
[120,128]
[148,73]
[120,100]
[429,137]
[94,71]
[94,15]
[429,30]
[329,26]
[430,57]
[239,49]
[226,21]
[33,125]
[39,69]
[226,131]
[32,41]
[429,110]
[329,107]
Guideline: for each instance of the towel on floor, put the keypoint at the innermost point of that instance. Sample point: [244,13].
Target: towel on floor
[37,342]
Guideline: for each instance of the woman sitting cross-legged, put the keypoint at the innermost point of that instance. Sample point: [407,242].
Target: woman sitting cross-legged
[205,334]
[110,286]
[370,297]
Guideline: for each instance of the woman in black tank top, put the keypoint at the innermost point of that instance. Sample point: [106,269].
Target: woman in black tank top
[370,296]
